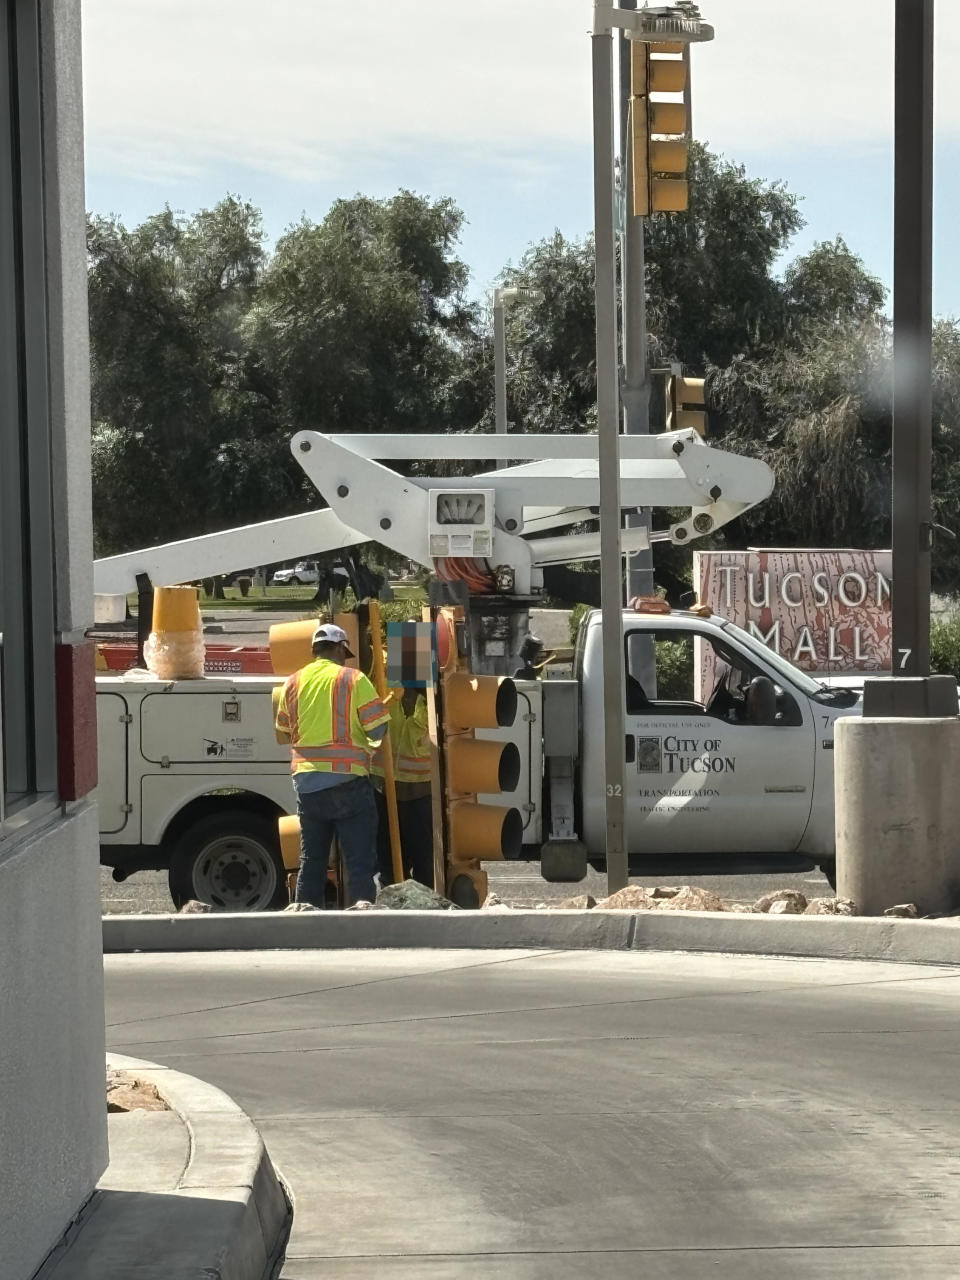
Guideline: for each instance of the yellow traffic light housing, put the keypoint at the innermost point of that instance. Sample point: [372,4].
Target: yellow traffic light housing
[685,401]
[472,832]
[659,129]
[682,393]
[474,766]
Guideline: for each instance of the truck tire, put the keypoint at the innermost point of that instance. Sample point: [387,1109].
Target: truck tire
[294,581]
[829,869]
[230,860]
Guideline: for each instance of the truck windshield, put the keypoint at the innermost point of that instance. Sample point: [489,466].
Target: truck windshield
[799,679]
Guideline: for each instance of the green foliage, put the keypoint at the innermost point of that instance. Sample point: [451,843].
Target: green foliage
[945,646]
[182,439]
[360,319]
[577,615]
[206,358]
[551,343]
[674,669]
[712,293]
[830,285]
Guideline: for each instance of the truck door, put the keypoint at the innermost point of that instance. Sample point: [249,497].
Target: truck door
[731,774]
[113,722]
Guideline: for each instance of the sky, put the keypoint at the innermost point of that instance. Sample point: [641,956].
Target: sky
[295,103]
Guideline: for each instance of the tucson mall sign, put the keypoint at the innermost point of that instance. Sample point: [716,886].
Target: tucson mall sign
[826,611]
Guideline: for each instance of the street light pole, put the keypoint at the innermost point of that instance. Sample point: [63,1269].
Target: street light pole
[912,322]
[503,298]
[499,362]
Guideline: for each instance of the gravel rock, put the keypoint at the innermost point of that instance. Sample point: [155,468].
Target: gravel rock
[745,908]
[905,911]
[632,898]
[581,902]
[664,891]
[690,898]
[195,908]
[411,895]
[362,905]
[784,907]
[793,896]
[821,907]
[830,907]
[301,906]
[127,1093]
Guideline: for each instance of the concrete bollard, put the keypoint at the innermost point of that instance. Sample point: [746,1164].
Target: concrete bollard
[897,784]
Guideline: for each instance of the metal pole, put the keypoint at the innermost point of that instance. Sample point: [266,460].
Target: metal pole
[636,382]
[912,322]
[608,433]
[499,366]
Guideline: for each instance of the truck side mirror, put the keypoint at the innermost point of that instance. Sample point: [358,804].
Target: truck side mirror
[761,701]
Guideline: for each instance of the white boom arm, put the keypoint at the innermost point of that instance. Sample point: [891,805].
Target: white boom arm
[554,485]
[290,538]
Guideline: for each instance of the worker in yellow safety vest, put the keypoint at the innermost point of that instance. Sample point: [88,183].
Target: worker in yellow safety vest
[410,744]
[335,722]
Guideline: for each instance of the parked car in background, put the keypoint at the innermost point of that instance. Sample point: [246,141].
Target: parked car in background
[304,572]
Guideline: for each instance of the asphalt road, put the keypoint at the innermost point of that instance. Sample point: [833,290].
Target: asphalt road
[517,883]
[463,1116]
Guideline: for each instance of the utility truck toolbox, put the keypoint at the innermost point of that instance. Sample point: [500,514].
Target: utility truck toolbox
[193,781]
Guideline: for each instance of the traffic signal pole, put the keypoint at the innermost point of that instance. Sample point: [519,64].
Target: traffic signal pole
[608,448]
[636,379]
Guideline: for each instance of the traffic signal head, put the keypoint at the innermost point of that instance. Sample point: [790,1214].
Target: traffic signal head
[478,702]
[484,832]
[659,129]
[481,766]
[686,398]
[474,766]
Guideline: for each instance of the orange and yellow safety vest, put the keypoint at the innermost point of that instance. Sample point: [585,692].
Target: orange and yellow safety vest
[326,711]
[409,741]
[411,747]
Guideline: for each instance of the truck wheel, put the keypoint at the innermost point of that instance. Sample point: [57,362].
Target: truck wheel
[231,860]
[294,582]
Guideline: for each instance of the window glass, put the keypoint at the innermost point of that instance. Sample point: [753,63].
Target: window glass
[27,697]
[737,691]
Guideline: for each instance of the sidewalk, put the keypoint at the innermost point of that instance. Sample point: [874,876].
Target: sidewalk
[190,1192]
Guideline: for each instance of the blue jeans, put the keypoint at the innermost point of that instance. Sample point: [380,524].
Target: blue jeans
[347,811]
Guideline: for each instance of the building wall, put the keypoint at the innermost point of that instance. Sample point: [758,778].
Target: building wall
[53,1131]
[52,1093]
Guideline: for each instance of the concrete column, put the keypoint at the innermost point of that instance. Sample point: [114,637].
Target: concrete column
[898,813]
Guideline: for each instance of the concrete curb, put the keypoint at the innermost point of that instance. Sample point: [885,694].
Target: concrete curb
[834,937]
[229,1163]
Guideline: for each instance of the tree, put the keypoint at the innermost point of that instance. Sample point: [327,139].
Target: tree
[184,439]
[710,283]
[831,285]
[551,343]
[361,323]
[711,294]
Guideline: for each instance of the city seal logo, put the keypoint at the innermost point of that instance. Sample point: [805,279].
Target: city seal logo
[649,755]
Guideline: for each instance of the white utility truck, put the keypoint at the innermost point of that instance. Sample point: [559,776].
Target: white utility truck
[192,779]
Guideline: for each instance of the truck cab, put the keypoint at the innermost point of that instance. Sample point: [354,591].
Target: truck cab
[728,747]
